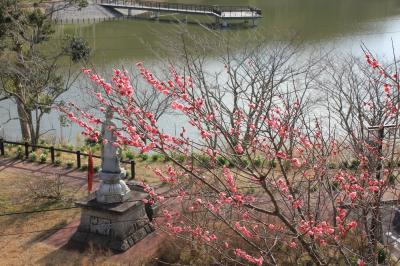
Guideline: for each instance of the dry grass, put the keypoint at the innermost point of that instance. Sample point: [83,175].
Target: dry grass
[36,238]
[21,236]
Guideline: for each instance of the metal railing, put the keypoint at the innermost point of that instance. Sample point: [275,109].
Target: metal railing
[185,8]
[53,149]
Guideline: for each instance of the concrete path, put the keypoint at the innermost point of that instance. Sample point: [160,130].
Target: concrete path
[92,12]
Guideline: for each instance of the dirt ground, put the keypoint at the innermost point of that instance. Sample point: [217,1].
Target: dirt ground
[42,238]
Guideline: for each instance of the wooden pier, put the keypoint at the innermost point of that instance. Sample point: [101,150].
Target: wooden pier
[221,13]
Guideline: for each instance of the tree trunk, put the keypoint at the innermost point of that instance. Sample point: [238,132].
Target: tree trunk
[23,121]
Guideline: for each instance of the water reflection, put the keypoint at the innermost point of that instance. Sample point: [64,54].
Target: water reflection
[340,24]
[311,20]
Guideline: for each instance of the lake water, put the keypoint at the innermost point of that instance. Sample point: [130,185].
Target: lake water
[340,24]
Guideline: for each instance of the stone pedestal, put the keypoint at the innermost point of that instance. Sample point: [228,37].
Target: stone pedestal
[396,221]
[112,187]
[117,226]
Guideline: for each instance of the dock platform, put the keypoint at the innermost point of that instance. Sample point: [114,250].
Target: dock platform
[218,11]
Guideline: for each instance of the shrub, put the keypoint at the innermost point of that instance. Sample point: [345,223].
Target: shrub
[381,256]
[155,157]
[42,158]
[344,165]
[58,154]
[70,164]
[95,148]
[129,155]
[32,157]
[48,187]
[19,153]
[57,162]
[166,158]
[203,160]
[354,164]
[179,157]
[332,166]
[286,165]
[257,162]
[230,164]
[272,164]
[251,190]
[69,147]
[96,168]
[391,164]
[84,167]
[392,179]
[244,162]
[45,151]
[10,147]
[143,156]
[221,161]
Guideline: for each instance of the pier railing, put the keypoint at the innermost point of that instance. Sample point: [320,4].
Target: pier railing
[178,7]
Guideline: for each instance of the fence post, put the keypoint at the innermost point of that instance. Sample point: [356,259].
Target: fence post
[2,147]
[133,169]
[26,150]
[78,159]
[52,154]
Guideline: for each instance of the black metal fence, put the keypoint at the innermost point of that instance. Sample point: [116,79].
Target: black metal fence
[53,150]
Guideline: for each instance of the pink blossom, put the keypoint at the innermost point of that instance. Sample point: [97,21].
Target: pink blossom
[243,230]
[281,155]
[239,149]
[386,88]
[242,254]
[297,204]
[353,195]
[296,162]
[205,134]
[86,70]
[271,227]
[229,179]
[352,225]
[115,144]
[252,105]
[210,117]
[373,188]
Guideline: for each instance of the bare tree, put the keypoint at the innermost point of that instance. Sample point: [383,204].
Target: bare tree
[256,185]
[30,77]
[361,99]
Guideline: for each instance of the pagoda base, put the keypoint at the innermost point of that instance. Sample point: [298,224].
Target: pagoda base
[118,226]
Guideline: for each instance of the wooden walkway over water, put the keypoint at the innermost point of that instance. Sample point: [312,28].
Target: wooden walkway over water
[219,12]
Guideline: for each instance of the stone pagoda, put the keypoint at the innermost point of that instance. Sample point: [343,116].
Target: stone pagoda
[116,216]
